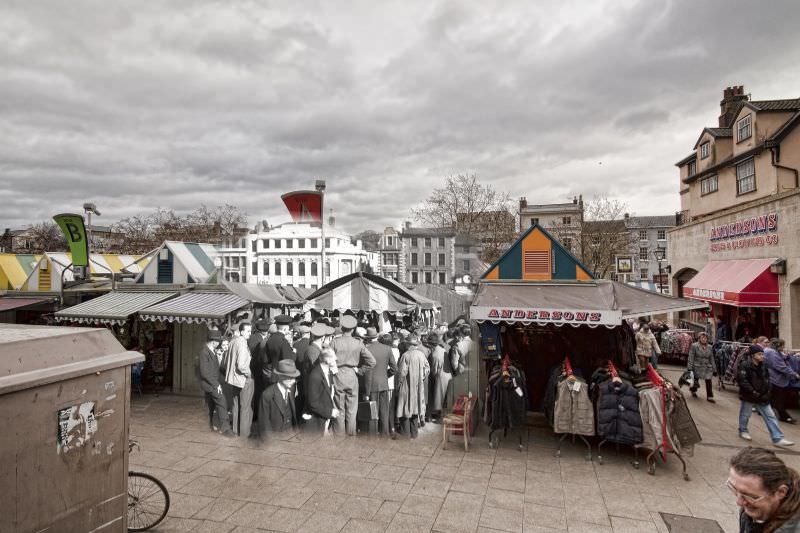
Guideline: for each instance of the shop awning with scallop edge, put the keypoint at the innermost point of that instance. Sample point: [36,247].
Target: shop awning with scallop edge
[195,308]
[738,282]
[112,308]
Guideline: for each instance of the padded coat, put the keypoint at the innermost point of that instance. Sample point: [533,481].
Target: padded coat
[618,417]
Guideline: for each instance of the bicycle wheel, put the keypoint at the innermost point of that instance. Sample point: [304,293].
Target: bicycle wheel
[148,501]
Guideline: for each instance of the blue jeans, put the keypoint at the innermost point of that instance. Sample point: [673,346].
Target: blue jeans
[766,412]
[654,359]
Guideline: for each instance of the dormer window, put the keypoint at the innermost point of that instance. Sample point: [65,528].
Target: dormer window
[744,129]
[705,149]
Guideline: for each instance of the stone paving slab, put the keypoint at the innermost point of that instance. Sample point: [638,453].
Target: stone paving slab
[303,483]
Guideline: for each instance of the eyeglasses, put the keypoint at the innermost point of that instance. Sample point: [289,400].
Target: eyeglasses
[745,497]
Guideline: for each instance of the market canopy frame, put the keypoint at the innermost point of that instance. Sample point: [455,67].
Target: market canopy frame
[362,291]
[112,308]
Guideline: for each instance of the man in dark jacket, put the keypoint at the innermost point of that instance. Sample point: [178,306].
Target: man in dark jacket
[277,412]
[257,344]
[376,379]
[754,392]
[320,408]
[278,347]
[209,363]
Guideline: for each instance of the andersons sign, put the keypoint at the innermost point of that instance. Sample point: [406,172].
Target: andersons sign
[564,316]
[746,233]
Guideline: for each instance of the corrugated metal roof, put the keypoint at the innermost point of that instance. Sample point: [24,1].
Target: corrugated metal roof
[195,307]
[112,308]
[263,294]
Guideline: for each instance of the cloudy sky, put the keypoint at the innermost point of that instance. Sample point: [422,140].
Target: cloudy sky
[135,105]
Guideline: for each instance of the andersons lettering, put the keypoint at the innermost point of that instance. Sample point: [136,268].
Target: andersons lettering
[747,233]
[534,314]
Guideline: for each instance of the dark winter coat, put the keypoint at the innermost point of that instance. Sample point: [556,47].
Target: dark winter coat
[753,379]
[618,417]
[276,414]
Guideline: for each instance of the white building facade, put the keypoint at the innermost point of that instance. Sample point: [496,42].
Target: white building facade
[290,254]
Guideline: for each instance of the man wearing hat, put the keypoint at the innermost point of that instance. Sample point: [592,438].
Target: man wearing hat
[319,333]
[320,391]
[257,343]
[239,387]
[209,364]
[277,410]
[352,360]
[376,379]
[278,347]
[412,370]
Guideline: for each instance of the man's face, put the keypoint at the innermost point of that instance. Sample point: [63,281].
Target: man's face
[758,357]
[288,383]
[329,359]
[753,498]
[246,332]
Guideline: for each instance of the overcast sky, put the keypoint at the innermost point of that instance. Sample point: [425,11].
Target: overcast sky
[139,104]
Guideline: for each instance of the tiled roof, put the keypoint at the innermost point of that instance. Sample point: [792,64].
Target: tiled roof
[427,232]
[686,159]
[720,132]
[656,221]
[792,104]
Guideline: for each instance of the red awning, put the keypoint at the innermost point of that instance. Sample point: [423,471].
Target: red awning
[7,304]
[740,282]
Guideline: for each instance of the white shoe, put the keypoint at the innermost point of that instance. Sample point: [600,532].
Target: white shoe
[783,443]
[745,435]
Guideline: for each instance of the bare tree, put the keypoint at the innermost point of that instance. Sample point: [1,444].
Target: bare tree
[47,237]
[370,239]
[472,209]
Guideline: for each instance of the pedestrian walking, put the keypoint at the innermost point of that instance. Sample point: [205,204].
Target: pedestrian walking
[781,377]
[277,409]
[209,364]
[278,345]
[647,349]
[754,393]
[376,379]
[239,386]
[412,370]
[352,359]
[441,361]
[701,363]
[767,492]
[320,409]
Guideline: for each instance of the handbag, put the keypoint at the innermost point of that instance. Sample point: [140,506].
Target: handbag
[687,378]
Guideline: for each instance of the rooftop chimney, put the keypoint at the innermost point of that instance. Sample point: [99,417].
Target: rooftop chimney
[523,202]
[408,224]
[627,216]
[332,221]
[574,199]
[731,97]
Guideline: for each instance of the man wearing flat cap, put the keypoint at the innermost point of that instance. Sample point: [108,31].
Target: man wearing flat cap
[352,360]
[278,347]
[209,364]
[376,379]
[277,410]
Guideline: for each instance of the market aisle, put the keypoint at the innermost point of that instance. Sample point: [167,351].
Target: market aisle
[361,485]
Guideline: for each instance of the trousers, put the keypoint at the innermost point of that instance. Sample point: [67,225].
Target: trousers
[779,398]
[217,411]
[240,403]
[382,400]
[410,426]
[709,387]
[766,412]
[346,399]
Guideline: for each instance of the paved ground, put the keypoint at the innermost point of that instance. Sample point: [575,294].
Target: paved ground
[362,484]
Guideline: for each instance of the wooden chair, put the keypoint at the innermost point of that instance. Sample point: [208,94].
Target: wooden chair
[455,422]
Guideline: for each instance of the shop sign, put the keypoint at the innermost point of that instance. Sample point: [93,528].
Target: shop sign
[705,294]
[565,316]
[746,233]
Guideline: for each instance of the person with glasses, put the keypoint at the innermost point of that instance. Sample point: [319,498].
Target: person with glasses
[767,492]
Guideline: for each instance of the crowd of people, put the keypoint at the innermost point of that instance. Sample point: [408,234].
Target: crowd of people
[285,374]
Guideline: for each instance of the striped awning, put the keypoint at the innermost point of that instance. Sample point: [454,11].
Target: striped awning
[112,308]
[103,264]
[196,258]
[195,308]
[262,294]
[15,269]
[362,291]
[296,294]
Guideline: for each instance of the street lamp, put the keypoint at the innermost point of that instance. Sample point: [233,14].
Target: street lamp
[661,254]
[320,187]
[89,208]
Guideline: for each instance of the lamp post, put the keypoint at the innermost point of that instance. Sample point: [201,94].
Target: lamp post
[320,187]
[660,254]
[90,208]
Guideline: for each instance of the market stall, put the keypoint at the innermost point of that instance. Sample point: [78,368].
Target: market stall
[267,300]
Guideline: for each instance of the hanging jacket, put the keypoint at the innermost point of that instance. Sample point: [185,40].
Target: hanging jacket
[573,411]
[509,398]
[682,423]
[618,418]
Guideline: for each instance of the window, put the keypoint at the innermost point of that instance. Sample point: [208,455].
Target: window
[255,246]
[235,262]
[277,268]
[644,274]
[277,243]
[534,221]
[427,259]
[662,235]
[415,277]
[327,243]
[264,244]
[567,243]
[389,240]
[614,276]
[643,254]
[314,271]
[427,242]
[709,184]
[428,277]
[301,243]
[328,269]
[313,243]
[566,220]
[290,243]
[227,261]
[704,150]
[266,268]
[536,262]
[744,128]
[595,240]
[466,265]
[414,259]
[692,168]
[442,278]
[441,260]
[642,234]
[746,177]
[414,242]
[441,242]
[254,268]
[389,259]
[301,268]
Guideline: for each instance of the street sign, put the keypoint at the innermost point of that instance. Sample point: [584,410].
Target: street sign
[74,230]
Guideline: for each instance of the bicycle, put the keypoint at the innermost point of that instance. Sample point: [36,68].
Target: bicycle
[148,499]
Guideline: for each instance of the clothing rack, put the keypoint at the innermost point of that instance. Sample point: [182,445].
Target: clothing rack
[493,441]
[612,369]
[722,365]
[567,365]
[665,447]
